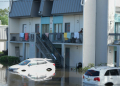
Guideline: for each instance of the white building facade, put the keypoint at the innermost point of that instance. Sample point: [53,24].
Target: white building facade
[89,20]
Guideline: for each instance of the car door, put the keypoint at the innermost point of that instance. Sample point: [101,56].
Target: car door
[107,77]
[119,75]
[114,76]
[32,67]
[41,65]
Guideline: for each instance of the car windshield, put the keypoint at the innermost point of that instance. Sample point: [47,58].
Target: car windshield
[24,62]
[92,73]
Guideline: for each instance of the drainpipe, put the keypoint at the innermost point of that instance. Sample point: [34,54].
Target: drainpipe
[83,3]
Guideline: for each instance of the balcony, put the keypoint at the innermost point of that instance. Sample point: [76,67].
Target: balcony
[15,37]
[59,38]
[114,38]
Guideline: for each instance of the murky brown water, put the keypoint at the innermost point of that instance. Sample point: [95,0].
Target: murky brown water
[62,77]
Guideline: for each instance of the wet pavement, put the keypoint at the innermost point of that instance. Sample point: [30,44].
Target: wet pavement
[62,77]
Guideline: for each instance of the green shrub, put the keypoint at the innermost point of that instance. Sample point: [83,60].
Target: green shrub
[90,65]
[9,60]
[1,53]
[102,64]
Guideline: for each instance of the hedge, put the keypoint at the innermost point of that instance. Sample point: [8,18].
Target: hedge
[9,60]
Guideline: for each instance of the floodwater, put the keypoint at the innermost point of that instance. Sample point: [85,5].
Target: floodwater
[61,77]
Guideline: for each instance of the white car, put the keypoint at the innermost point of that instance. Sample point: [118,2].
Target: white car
[30,65]
[102,76]
[41,75]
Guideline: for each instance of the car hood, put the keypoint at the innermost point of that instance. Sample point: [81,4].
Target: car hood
[15,66]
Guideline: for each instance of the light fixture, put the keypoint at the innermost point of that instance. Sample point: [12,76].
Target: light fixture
[77,47]
[109,50]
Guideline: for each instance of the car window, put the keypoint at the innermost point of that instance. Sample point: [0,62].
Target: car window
[24,62]
[41,62]
[50,61]
[33,63]
[92,73]
[114,72]
[119,71]
[107,73]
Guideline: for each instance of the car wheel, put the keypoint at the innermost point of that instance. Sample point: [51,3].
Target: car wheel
[109,84]
[49,69]
[23,70]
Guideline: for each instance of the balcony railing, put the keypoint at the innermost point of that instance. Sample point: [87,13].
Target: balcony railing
[17,38]
[114,38]
[59,38]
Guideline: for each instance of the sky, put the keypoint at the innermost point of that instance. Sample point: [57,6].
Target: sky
[4,4]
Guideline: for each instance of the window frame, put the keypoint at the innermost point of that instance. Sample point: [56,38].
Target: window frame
[65,26]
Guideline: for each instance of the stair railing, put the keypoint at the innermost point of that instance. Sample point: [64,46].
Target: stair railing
[53,49]
[40,44]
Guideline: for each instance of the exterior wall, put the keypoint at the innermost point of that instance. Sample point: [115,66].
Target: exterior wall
[3,37]
[76,22]
[14,26]
[89,22]
[3,32]
[45,20]
[75,54]
[11,49]
[2,45]
[117,3]
[30,22]
[110,59]
[101,31]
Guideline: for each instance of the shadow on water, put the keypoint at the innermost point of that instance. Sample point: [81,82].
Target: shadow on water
[62,77]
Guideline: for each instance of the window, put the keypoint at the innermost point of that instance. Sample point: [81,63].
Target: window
[107,73]
[36,28]
[92,73]
[117,27]
[67,27]
[24,29]
[45,28]
[114,72]
[58,28]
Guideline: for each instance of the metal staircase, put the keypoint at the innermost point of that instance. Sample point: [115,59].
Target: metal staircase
[48,50]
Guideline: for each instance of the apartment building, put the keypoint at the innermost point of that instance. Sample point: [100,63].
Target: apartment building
[67,31]
[3,37]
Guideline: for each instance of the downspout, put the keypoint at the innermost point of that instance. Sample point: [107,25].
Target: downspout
[83,3]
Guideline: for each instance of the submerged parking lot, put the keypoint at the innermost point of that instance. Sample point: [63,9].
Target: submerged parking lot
[62,77]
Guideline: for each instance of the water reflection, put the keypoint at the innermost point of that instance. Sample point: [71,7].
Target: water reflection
[60,77]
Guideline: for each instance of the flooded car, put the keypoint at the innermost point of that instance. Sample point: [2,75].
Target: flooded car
[102,75]
[30,65]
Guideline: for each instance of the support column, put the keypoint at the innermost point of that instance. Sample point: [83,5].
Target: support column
[118,56]
[63,54]
[24,46]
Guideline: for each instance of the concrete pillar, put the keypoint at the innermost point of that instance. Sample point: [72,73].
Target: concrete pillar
[118,56]
[63,54]
[89,28]
[24,46]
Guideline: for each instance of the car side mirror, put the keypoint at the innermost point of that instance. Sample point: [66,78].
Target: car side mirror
[29,65]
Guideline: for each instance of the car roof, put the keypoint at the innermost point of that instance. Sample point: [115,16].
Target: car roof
[98,68]
[38,59]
